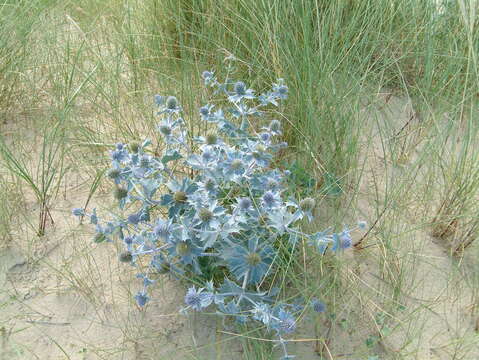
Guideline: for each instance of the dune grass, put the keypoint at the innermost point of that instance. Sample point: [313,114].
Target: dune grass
[382,116]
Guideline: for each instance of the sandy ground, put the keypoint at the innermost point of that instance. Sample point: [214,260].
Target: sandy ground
[64,297]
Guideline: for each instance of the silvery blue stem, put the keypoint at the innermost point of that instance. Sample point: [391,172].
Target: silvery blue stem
[150,251]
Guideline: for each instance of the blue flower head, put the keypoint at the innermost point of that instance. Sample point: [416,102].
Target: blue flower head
[115,174]
[306,207]
[271,180]
[168,106]
[208,185]
[257,153]
[234,165]
[318,305]
[271,200]
[209,78]
[362,225]
[285,322]
[208,215]
[128,240]
[275,127]
[187,252]
[165,128]
[251,261]
[207,114]
[171,103]
[280,90]
[207,74]
[177,199]
[78,212]
[197,299]
[240,91]
[120,154]
[141,299]
[345,239]
[93,217]
[204,162]
[244,204]
[342,240]
[265,137]
[134,219]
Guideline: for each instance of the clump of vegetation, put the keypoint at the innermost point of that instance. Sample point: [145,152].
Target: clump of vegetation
[212,211]
[45,180]
[456,220]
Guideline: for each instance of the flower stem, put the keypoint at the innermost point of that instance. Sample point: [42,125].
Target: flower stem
[245,282]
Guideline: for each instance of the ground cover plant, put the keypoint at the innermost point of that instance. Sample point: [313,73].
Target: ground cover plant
[381,122]
[226,213]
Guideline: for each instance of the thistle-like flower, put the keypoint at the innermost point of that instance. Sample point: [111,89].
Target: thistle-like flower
[165,128]
[209,78]
[234,165]
[197,299]
[271,200]
[280,90]
[342,240]
[285,323]
[114,174]
[186,252]
[306,207]
[205,214]
[251,261]
[171,103]
[207,114]
[141,299]
[180,196]
[265,137]
[362,225]
[211,138]
[177,199]
[120,154]
[318,306]
[208,185]
[208,216]
[275,127]
[168,105]
[240,91]
[207,74]
[244,204]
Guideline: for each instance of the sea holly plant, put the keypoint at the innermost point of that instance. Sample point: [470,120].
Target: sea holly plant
[212,210]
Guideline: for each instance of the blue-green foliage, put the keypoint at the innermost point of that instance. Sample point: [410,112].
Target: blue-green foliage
[213,204]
